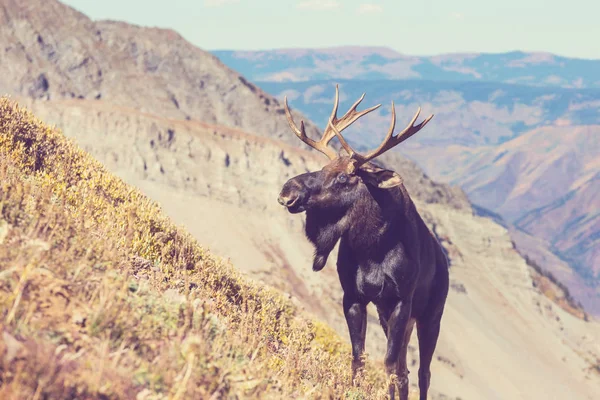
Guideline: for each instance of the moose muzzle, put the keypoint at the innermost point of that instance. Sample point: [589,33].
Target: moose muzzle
[292,196]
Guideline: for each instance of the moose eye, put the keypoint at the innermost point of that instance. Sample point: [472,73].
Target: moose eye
[342,178]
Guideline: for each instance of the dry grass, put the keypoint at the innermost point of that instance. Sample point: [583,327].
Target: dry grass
[101,296]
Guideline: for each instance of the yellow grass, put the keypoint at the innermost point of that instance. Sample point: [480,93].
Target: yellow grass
[101,296]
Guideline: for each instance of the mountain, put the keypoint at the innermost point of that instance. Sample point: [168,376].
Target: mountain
[220,183]
[523,152]
[377,63]
[153,70]
[577,217]
[471,114]
[545,181]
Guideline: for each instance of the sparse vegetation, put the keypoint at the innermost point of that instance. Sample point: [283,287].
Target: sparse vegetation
[554,289]
[101,296]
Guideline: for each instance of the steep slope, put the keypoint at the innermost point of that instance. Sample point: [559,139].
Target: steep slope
[538,252]
[231,206]
[572,224]
[227,174]
[373,63]
[152,70]
[221,183]
[545,181]
[104,298]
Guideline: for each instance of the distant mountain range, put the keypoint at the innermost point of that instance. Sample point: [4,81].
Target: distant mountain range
[518,131]
[467,113]
[375,63]
[545,181]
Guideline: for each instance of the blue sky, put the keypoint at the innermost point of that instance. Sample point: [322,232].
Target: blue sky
[423,27]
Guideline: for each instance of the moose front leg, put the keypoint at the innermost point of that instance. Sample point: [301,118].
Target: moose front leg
[397,327]
[356,318]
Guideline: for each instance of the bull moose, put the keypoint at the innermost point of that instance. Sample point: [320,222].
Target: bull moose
[387,255]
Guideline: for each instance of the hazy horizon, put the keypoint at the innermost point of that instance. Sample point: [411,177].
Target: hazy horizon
[342,46]
[464,26]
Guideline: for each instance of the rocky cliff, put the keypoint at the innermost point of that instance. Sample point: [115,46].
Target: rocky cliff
[152,70]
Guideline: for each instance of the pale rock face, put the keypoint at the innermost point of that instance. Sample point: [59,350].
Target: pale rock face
[501,338]
[152,70]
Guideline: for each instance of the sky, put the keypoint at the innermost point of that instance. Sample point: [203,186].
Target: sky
[424,27]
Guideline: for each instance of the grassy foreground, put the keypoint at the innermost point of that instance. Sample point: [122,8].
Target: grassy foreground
[101,296]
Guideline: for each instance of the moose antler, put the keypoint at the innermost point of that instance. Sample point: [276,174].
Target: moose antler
[389,141]
[338,125]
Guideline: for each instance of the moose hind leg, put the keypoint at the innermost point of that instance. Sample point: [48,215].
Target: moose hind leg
[428,333]
[383,320]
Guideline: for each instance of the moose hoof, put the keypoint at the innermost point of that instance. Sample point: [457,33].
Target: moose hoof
[357,372]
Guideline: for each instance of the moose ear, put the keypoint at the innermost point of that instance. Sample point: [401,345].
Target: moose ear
[382,178]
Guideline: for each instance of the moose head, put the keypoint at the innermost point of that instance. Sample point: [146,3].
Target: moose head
[341,182]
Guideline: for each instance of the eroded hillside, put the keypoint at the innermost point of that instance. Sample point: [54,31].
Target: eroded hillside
[104,298]
[545,182]
[222,185]
[152,70]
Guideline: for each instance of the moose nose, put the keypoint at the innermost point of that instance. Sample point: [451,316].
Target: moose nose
[287,201]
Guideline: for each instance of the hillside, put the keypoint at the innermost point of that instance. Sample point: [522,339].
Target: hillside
[577,216]
[220,173]
[377,63]
[105,298]
[153,70]
[537,168]
[231,207]
[545,182]
[538,251]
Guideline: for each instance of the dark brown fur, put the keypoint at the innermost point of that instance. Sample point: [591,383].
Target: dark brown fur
[387,256]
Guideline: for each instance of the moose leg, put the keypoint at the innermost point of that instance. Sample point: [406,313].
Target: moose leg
[356,318]
[397,324]
[383,320]
[428,333]
[402,370]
